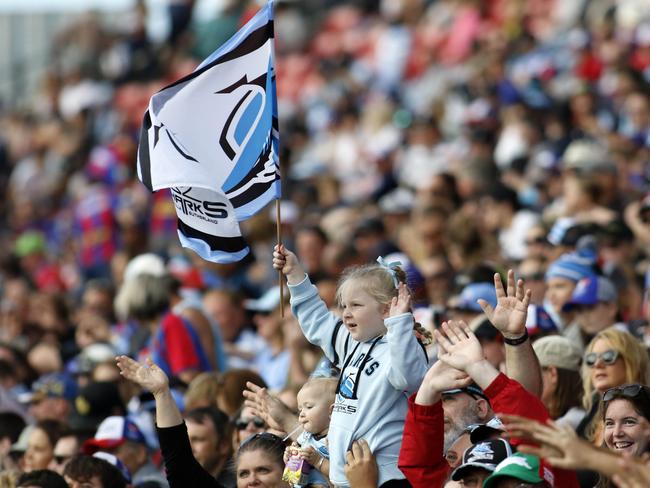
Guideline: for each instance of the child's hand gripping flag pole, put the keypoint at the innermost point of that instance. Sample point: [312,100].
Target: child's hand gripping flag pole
[212,138]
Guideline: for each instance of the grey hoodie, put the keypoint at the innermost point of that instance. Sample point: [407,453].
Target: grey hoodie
[377,378]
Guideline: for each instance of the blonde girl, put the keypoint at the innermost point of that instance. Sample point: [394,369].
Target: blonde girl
[374,345]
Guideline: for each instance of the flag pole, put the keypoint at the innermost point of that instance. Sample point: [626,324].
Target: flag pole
[279,238]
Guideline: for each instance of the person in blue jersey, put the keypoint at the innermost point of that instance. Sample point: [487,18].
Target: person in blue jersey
[377,350]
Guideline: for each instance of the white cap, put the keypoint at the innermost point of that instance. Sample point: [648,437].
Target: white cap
[149,263]
[266,303]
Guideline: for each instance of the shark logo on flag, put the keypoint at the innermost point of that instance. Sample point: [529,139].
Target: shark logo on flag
[212,138]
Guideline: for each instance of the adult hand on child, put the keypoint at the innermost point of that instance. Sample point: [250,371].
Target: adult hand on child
[361,467]
[509,316]
[276,414]
[149,376]
[287,262]
[459,347]
[440,377]
[402,302]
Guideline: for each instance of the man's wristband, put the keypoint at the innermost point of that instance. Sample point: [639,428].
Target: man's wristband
[517,341]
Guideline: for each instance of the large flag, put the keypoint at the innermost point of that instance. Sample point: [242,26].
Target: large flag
[212,138]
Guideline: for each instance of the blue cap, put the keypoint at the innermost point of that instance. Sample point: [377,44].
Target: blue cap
[576,265]
[115,461]
[539,320]
[590,291]
[467,300]
[53,385]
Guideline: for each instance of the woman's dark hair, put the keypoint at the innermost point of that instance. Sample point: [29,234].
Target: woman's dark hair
[54,430]
[271,444]
[638,395]
[567,393]
[43,478]
[83,468]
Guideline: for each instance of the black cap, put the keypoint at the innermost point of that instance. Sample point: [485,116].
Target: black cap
[94,403]
[472,390]
[484,455]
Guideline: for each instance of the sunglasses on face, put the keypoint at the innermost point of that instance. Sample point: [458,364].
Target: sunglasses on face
[242,424]
[61,459]
[627,391]
[608,357]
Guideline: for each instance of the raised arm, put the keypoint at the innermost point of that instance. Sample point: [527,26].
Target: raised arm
[560,446]
[509,317]
[181,467]
[153,379]
[408,360]
[320,326]
[460,349]
[272,410]
[421,457]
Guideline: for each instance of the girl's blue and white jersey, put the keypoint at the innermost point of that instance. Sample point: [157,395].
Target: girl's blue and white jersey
[377,378]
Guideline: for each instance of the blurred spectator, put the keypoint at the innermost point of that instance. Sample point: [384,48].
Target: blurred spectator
[121,437]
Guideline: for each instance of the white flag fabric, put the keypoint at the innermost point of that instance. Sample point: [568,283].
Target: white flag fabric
[212,138]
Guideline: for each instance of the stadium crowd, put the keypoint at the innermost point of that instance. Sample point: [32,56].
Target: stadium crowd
[493,154]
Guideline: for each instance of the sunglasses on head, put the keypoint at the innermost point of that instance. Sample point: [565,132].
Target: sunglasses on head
[628,391]
[608,357]
[258,422]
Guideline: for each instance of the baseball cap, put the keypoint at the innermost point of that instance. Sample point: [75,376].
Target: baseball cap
[112,432]
[484,455]
[148,263]
[522,467]
[467,300]
[29,242]
[587,156]
[94,403]
[590,291]
[558,351]
[398,201]
[483,432]
[472,390]
[52,385]
[266,303]
[115,461]
[21,444]
[539,320]
[484,330]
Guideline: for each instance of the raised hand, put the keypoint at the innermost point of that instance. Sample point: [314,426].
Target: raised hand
[560,446]
[633,473]
[149,376]
[287,262]
[440,377]
[459,347]
[509,316]
[402,302]
[271,409]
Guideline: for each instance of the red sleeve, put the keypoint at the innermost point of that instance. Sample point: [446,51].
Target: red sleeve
[421,457]
[508,396]
[181,354]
